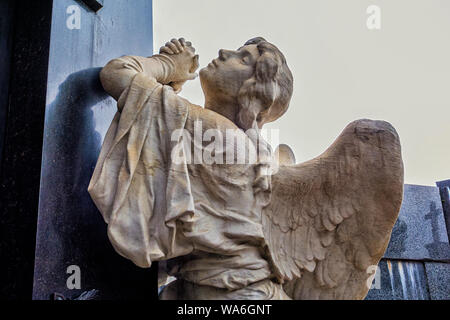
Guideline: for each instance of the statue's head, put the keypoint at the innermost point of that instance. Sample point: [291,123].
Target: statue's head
[255,79]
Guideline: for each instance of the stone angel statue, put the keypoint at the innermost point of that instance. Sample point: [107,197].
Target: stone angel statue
[171,186]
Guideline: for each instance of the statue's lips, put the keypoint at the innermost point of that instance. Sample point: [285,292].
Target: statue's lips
[213,63]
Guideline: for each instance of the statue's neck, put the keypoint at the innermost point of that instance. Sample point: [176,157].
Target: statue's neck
[228,109]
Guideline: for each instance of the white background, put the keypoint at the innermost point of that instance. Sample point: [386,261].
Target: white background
[342,71]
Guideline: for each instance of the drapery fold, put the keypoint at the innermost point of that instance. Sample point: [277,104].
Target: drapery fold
[135,182]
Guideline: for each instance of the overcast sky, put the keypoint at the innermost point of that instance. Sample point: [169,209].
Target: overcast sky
[342,70]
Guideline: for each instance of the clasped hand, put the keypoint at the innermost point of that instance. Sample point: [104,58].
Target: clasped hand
[182,54]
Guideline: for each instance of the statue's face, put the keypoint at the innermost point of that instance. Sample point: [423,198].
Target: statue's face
[224,76]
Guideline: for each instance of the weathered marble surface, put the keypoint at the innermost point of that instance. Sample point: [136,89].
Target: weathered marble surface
[240,231]
[420,232]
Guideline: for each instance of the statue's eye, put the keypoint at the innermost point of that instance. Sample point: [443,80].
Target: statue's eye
[245,60]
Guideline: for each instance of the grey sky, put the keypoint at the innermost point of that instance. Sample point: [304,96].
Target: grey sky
[342,71]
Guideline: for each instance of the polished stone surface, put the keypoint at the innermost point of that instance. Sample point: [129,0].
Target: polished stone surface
[94,5]
[444,187]
[438,275]
[22,145]
[70,229]
[6,43]
[399,280]
[420,232]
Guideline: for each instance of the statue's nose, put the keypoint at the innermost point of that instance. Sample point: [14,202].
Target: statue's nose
[224,54]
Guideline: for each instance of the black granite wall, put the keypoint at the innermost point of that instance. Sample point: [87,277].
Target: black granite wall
[416,265]
[78,112]
[444,189]
[6,43]
[25,48]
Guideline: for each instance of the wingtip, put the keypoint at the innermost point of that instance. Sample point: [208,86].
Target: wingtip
[373,125]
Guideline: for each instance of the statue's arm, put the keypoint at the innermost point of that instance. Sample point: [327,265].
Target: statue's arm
[175,65]
[117,75]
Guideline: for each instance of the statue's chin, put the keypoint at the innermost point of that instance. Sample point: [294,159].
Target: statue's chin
[204,76]
[203,72]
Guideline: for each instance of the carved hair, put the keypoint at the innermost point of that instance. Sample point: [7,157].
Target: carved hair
[265,97]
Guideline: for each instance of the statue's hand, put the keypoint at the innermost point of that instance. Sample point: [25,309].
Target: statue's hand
[182,54]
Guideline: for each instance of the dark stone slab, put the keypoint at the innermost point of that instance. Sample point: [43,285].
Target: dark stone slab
[70,229]
[420,232]
[444,188]
[22,142]
[438,275]
[444,183]
[399,280]
[94,5]
[6,43]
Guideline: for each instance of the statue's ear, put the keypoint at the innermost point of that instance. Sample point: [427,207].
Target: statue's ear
[266,67]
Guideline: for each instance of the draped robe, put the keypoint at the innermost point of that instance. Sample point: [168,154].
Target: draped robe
[202,217]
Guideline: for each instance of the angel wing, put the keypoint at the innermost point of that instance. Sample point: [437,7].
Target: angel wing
[330,218]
